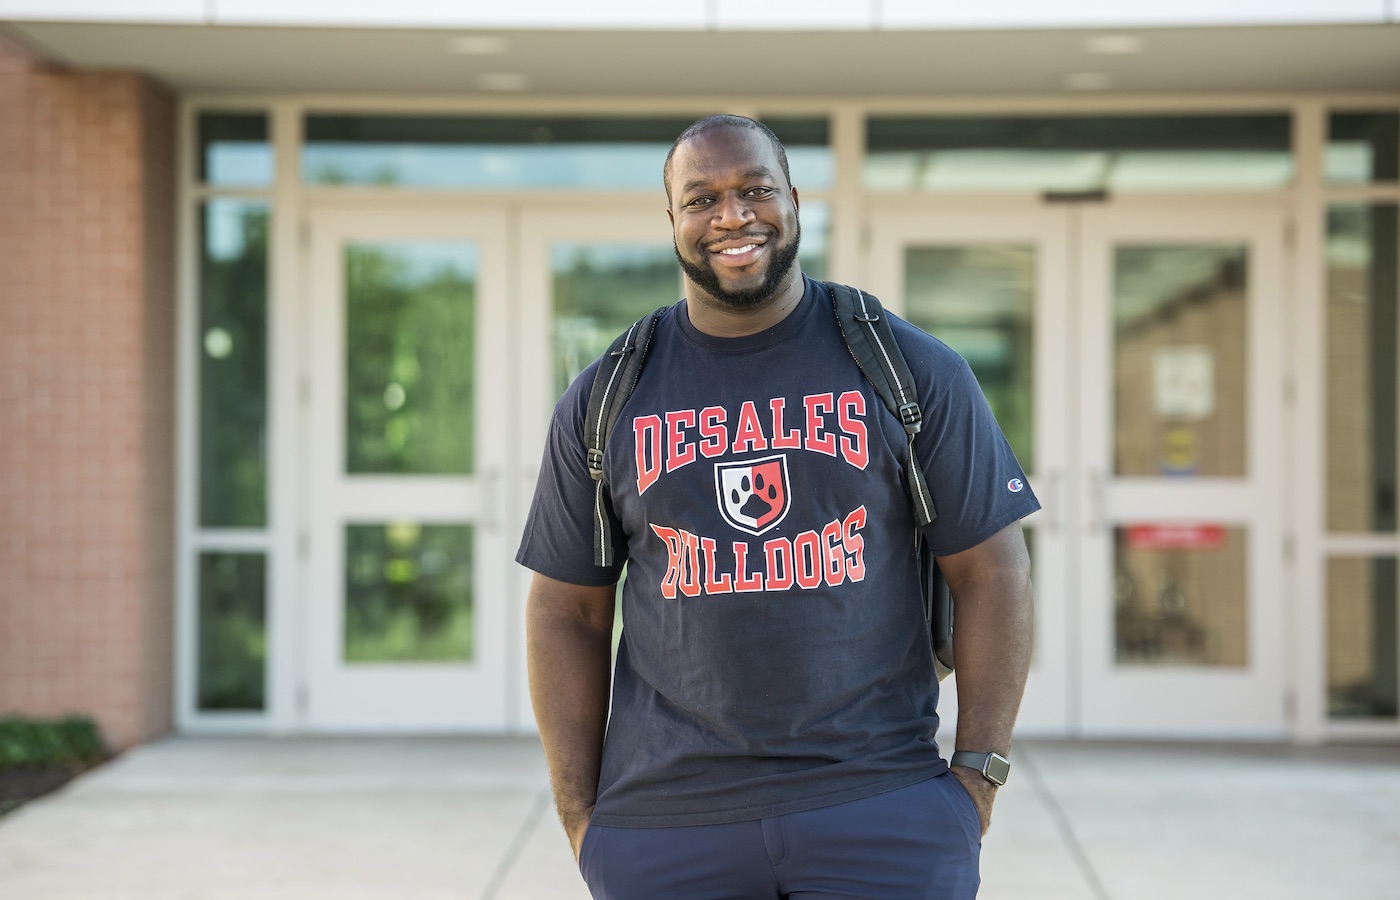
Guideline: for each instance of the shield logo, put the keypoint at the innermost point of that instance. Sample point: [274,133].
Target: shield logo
[753,495]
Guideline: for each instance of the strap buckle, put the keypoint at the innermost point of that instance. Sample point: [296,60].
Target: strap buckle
[912,418]
[595,464]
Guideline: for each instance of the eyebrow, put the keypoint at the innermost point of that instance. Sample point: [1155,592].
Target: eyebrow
[759,172]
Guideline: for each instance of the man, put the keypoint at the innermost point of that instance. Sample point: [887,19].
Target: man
[773,710]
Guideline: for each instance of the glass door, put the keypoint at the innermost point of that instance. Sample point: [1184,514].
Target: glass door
[1183,458]
[585,276]
[1134,361]
[993,286]
[409,435]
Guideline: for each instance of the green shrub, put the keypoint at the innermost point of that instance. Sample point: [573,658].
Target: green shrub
[42,743]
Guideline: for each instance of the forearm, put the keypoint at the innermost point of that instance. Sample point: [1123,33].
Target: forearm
[569,652]
[992,641]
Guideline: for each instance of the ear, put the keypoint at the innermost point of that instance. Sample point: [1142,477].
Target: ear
[670,217]
[796,204]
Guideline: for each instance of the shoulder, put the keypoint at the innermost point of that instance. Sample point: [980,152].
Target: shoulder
[926,355]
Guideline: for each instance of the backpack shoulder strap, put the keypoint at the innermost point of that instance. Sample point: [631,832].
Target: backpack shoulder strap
[871,341]
[612,386]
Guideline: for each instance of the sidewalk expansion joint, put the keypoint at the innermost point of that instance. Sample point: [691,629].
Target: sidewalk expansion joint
[517,844]
[1063,826]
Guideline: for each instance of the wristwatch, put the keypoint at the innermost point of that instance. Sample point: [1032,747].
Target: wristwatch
[993,766]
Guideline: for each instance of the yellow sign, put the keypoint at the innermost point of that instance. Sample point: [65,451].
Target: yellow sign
[1181,451]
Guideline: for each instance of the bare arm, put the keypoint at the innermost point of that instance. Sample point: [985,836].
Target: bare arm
[992,618]
[568,634]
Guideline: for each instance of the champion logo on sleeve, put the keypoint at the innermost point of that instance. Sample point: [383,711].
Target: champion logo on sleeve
[1015,485]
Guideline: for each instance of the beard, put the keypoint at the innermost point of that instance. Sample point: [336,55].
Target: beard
[704,276]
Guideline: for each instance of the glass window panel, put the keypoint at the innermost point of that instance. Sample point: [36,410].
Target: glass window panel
[1110,153]
[232,621]
[488,152]
[1362,265]
[410,357]
[815,219]
[1363,148]
[979,299]
[1362,681]
[808,145]
[234,150]
[1180,373]
[1180,595]
[599,290]
[408,593]
[233,364]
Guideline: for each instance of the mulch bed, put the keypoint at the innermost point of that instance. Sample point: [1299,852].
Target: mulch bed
[20,785]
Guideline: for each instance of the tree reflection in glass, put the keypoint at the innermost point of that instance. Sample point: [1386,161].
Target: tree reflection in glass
[408,593]
[409,358]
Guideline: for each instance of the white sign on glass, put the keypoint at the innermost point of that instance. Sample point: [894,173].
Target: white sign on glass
[1184,382]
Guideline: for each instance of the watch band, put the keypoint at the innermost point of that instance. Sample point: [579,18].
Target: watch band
[993,766]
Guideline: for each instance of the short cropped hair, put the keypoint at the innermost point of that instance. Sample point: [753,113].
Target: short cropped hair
[725,121]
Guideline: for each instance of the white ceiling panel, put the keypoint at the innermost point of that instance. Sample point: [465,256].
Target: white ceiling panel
[1124,13]
[794,15]
[683,14]
[174,11]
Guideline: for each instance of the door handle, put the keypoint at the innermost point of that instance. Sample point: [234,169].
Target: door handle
[1054,501]
[1096,501]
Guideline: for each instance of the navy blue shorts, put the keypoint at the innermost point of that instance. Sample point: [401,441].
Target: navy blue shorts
[922,842]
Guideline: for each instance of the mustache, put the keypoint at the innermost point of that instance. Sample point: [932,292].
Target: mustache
[761,235]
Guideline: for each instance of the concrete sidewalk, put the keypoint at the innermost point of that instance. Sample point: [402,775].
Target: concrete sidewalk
[471,818]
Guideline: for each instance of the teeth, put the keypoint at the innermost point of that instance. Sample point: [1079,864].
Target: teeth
[735,251]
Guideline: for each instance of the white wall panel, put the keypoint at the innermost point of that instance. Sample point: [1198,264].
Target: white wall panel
[795,15]
[1116,13]
[682,14]
[173,11]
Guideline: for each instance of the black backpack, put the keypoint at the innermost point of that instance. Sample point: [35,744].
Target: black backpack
[871,342]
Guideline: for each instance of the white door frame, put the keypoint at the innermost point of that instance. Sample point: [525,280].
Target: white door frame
[1071,681]
[1044,710]
[1211,702]
[541,225]
[405,696]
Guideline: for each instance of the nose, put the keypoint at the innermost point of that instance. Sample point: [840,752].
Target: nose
[732,212]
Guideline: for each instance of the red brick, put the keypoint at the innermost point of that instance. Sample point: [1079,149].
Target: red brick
[87,164]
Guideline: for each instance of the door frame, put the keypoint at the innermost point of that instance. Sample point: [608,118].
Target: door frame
[1248,702]
[1055,697]
[538,225]
[1045,710]
[411,697]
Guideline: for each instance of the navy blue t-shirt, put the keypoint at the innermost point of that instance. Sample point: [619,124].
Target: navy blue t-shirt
[774,655]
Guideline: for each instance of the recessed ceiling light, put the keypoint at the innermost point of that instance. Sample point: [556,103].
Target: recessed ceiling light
[478,44]
[1113,44]
[503,81]
[1088,81]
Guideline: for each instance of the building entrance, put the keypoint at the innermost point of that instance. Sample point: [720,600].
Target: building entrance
[1134,358]
[1132,354]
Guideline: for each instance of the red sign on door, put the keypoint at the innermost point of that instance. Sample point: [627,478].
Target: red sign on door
[1176,536]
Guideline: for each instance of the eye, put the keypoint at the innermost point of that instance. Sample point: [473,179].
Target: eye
[760,191]
[700,201]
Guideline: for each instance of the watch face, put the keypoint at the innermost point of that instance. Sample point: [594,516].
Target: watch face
[997,769]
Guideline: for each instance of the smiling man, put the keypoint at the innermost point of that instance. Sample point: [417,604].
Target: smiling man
[771,727]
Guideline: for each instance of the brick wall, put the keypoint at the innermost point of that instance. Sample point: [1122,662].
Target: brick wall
[86,408]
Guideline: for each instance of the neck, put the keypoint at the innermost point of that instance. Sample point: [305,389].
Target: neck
[719,319]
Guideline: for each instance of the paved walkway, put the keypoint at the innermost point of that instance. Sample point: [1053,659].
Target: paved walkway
[471,819]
